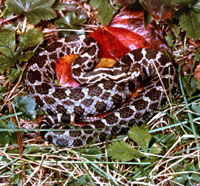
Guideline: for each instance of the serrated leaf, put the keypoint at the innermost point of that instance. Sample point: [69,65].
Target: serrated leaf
[70,20]
[14,74]
[26,105]
[25,56]
[30,38]
[190,21]
[34,10]
[7,43]
[121,151]
[141,136]
[8,136]
[91,153]
[6,63]
[105,10]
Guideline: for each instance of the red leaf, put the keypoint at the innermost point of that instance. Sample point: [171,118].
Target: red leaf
[115,42]
[133,20]
[158,9]
[63,70]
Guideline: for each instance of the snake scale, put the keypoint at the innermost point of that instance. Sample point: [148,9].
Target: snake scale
[102,90]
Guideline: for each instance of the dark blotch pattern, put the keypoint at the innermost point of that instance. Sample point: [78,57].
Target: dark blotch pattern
[53,56]
[76,94]
[49,100]
[74,133]
[100,107]
[153,95]
[163,59]
[115,130]
[126,59]
[92,50]
[99,124]
[90,139]
[39,101]
[72,38]
[61,109]
[59,93]
[94,91]
[108,85]
[34,76]
[137,54]
[117,100]
[105,95]
[111,118]
[77,142]
[52,47]
[131,86]
[88,129]
[65,118]
[43,88]
[125,112]
[153,106]
[87,102]
[102,136]
[151,54]
[76,71]
[41,60]
[88,40]
[78,110]
[140,104]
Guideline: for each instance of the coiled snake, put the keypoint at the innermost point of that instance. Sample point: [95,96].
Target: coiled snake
[103,90]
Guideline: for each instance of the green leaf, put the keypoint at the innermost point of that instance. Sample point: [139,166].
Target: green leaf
[105,10]
[6,63]
[32,149]
[168,139]
[190,20]
[30,38]
[155,149]
[91,153]
[140,136]
[25,56]
[34,10]
[7,43]
[196,108]
[70,20]
[14,74]
[26,105]
[8,136]
[121,151]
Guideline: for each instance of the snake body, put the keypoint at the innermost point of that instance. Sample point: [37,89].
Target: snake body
[102,90]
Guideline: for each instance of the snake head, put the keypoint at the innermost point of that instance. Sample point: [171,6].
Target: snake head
[58,139]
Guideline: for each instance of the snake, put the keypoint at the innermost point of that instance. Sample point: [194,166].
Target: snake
[104,91]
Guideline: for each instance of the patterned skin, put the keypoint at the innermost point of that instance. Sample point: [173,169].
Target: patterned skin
[103,90]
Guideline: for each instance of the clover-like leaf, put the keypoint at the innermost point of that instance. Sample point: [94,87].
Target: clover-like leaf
[7,136]
[190,20]
[7,43]
[140,136]
[26,105]
[34,10]
[105,10]
[30,38]
[121,151]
